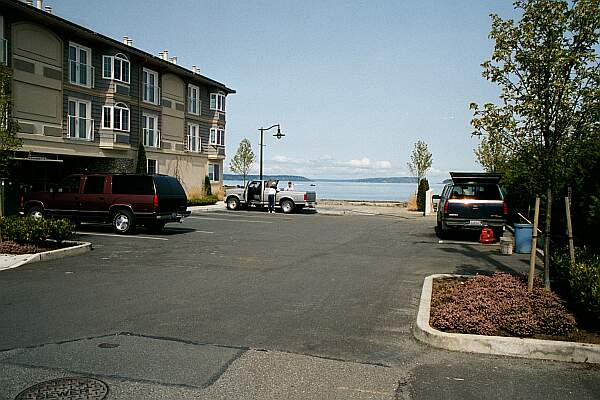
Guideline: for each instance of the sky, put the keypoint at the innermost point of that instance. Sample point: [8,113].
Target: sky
[354,84]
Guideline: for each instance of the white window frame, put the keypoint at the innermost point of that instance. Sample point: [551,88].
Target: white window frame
[211,174]
[147,73]
[193,100]
[78,62]
[89,134]
[145,123]
[122,71]
[217,136]
[148,160]
[217,102]
[117,108]
[195,146]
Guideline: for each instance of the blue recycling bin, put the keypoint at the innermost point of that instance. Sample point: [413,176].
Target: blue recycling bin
[523,234]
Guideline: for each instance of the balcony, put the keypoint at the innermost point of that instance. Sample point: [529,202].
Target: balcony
[3,51]
[152,138]
[81,74]
[79,128]
[151,94]
[215,152]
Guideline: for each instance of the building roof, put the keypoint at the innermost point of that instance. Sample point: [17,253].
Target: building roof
[57,22]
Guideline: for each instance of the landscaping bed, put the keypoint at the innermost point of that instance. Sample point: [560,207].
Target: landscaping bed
[11,247]
[501,305]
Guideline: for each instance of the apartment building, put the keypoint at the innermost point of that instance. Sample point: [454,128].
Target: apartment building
[85,101]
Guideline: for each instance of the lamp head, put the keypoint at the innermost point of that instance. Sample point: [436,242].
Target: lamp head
[279,135]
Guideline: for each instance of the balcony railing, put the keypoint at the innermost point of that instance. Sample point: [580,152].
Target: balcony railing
[80,128]
[151,94]
[152,138]
[81,74]
[3,51]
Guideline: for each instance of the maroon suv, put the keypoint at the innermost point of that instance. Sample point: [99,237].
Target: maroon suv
[124,200]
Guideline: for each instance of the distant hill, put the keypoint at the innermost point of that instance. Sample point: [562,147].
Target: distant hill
[294,178]
[391,179]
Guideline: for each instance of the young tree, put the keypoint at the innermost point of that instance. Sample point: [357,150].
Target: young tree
[243,159]
[207,186]
[9,142]
[491,155]
[141,167]
[548,73]
[420,160]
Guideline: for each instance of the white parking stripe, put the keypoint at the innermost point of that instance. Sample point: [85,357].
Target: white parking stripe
[121,236]
[231,220]
[204,232]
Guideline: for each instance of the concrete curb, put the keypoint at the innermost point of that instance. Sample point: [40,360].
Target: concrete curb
[218,206]
[77,249]
[498,345]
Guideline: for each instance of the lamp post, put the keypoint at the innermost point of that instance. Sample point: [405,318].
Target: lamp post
[278,135]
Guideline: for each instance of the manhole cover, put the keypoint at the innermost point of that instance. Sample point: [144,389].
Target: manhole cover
[66,389]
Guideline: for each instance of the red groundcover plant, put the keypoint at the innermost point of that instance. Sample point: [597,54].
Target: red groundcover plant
[499,305]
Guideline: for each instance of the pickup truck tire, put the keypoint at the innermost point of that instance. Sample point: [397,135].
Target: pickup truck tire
[233,203]
[123,222]
[287,206]
[36,212]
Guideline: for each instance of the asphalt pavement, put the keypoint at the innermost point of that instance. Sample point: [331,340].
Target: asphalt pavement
[250,305]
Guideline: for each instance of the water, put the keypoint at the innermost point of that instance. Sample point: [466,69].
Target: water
[357,190]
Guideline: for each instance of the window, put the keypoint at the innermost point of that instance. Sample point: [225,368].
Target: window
[168,185]
[214,172]
[475,192]
[151,133]
[132,184]
[217,136]
[150,86]
[116,68]
[151,167]
[193,138]
[81,71]
[217,102]
[193,100]
[70,184]
[94,185]
[120,117]
[79,123]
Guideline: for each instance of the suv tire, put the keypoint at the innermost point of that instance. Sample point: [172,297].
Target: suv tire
[123,222]
[35,212]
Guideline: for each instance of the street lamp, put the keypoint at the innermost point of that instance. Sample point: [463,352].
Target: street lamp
[278,135]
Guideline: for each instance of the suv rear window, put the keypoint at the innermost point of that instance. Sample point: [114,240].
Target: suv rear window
[475,192]
[132,184]
[167,185]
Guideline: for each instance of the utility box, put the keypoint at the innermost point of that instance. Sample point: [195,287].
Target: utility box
[9,198]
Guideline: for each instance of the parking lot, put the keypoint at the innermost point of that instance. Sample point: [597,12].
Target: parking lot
[343,288]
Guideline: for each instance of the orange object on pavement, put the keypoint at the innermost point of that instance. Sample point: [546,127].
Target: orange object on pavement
[487,236]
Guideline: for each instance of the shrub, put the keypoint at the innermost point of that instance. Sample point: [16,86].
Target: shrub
[423,188]
[207,187]
[581,281]
[500,305]
[29,230]
[203,201]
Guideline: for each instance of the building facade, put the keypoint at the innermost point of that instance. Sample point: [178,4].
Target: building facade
[84,102]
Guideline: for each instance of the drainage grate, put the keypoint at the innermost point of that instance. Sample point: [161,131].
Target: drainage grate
[66,389]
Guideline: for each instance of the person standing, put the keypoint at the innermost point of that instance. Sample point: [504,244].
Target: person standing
[290,186]
[271,192]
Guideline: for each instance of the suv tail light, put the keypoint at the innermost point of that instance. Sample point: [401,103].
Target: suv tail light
[505,208]
[155,201]
[305,196]
[446,207]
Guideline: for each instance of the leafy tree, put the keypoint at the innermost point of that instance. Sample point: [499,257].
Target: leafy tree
[9,142]
[547,70]
[421,192]
[420,160]
[243,159]
[491,154]
[207,186]
[141,166]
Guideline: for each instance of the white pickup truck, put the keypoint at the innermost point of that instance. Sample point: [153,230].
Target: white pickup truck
[254,194]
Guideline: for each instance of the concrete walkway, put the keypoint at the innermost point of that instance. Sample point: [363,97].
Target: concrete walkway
[8,261]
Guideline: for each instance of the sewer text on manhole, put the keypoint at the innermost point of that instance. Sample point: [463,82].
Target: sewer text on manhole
[66,389]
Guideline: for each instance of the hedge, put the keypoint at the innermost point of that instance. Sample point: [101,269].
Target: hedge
[28,230]
[203,201]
